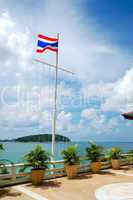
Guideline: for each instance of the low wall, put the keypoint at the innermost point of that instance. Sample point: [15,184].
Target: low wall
[55,170]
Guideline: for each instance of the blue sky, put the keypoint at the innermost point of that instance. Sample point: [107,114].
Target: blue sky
[115,19]
[95,42]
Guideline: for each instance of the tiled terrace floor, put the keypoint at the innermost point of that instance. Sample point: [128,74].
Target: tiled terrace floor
[81,188]
[12,194]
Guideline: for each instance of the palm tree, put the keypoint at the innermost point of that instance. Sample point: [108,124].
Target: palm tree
[95,154]
[3,162]
[130,157]
[1,147]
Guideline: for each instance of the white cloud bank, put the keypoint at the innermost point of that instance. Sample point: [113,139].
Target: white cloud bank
[98,66]
[115,96]
[98,121]
[15,51]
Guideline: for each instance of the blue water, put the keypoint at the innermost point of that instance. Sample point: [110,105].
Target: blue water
[15,151]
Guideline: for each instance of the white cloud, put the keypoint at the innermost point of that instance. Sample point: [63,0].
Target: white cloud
[64,121]
[114,96]
[83,49]
[15,116]
[89,113]
[121,96]
[15,52]
[6,23]
[96,121]
[46,120]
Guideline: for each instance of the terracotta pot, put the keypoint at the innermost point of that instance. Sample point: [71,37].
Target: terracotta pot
[115,163]
[71,170]
[37,176]
[95,167]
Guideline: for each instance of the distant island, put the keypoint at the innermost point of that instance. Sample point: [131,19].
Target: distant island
[39,138]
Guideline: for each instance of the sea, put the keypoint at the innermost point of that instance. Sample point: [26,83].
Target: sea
[15,151]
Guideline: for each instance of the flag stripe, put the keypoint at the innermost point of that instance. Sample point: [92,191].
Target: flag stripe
[44,44]
[47,38]
[48,47]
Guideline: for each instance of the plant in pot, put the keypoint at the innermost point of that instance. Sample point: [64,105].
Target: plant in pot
[72,160]
[130,157]
[38,159]
[115,155]
[3,162]
[1,147]
[94,153]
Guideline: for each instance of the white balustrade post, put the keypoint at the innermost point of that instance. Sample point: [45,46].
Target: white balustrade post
[13,172]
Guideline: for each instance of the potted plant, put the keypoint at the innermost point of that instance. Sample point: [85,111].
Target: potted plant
[115,155]
[1,147]
[3,162]
[38,159]
[94,153]
[71,159]
[130,157]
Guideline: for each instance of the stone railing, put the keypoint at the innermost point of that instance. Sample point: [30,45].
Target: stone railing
[56,169]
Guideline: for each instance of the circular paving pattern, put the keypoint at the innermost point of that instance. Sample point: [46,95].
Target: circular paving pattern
[116,191]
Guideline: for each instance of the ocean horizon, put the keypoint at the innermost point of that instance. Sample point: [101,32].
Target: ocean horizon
[14,151]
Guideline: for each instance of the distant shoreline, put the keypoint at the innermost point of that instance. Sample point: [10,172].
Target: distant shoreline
[39,138]
[13,140]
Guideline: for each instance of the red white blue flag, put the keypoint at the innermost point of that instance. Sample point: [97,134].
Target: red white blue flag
[46,43]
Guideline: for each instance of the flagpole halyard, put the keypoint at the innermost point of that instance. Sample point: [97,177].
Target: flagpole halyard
[54,119]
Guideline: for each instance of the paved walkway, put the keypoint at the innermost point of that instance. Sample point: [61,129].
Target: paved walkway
[9,193]
[116,191]
[122,172]
[109,185]
[83,187]
[29,193]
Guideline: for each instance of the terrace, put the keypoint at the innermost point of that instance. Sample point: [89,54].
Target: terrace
[109,183]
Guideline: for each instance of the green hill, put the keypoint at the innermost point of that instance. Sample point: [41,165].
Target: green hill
[42,138]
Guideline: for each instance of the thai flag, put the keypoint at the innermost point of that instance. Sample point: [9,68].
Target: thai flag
[46,43]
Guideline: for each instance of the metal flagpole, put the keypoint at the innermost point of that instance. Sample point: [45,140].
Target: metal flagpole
[55,106]
[54,118]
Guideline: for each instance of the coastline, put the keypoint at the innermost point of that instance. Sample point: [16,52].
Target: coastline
[15,150]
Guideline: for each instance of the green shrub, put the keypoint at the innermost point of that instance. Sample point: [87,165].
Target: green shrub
[3,162]
[130,156]
[94,152]
[70,155]
[115,153]
[38,158]
[4,170]
[1,147]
